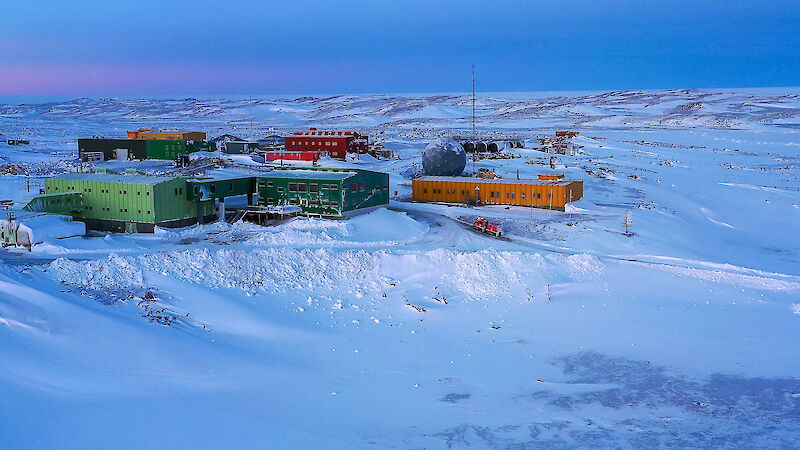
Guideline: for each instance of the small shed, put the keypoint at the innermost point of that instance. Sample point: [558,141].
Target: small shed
[29,229]
[240,147]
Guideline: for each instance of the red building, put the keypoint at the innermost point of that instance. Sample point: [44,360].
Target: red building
[293,156]
[337,144]
[567,134]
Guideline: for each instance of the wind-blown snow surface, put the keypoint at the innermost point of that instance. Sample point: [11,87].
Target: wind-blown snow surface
[403,329]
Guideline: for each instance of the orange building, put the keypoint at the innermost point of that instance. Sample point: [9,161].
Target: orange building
[541,193]
[147,133]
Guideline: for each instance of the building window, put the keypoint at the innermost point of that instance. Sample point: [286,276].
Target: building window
[292,187]
[280,189]
[148,212]
[302,187]
[353,187]
[363,187]
[138,192]
[491,194]
[180,191]
[424,190]
[538,195]
[140,211]
[269,184]
[213,188]
[176,191]
[313,187]
[550,195]
[523,196]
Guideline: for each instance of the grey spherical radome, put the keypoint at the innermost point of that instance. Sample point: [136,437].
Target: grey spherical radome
[444,157]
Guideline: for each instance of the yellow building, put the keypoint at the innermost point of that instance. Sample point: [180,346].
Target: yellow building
[541,193]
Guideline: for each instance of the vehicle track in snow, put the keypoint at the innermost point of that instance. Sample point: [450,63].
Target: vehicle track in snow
[700,269]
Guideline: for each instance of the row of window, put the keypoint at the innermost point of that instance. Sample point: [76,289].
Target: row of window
[512,195]
[122,210]
[106,191]
[313,187]
[492,194]
[327,133]
[320,143]
[311,202]
[310,187]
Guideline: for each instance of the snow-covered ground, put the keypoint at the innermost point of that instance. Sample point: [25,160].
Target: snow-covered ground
[402,328]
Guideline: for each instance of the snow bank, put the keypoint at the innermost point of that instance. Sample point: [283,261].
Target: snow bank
[483,275]
[585,265]
[380,227]
[115,272]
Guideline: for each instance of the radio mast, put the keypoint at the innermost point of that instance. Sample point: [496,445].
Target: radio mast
[473,102]
[474,148]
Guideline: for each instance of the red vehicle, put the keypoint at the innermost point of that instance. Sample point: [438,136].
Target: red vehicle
[337,144]
[485,226]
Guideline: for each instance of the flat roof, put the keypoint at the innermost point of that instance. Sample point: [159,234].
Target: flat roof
[114,178]
[214,178]
[496,180]
[167,131]
[310,174]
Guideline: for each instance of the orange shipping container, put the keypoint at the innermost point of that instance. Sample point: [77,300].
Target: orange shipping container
[548,194]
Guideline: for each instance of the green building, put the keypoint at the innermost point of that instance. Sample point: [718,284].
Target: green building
[141,149]
[137,203]
[325,191]
[130,203]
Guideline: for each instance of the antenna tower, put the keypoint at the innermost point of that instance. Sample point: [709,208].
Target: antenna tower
[474,149]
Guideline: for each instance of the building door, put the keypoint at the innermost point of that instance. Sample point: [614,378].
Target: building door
[24,239]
